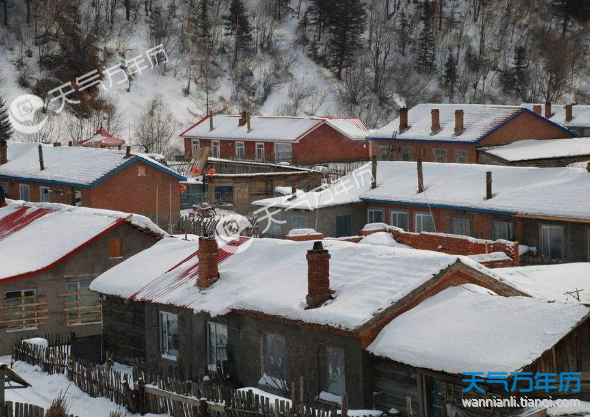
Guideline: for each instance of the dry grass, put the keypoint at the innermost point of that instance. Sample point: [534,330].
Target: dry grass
[58,408]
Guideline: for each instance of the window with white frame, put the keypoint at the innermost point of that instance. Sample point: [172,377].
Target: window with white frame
[217,345]
[461,156]
[440,155]
[240,150]
[298,222]
[399,218]
[83,306]
[195,145]
[169,335]
[215,149]
[283,152]
[334,380]
[406,154]
[260,151]
[374,216]
[274,364]
[45,194]
[423,222]
[24,192]
[461,225]
[552,242]
[20,310]
[502,230]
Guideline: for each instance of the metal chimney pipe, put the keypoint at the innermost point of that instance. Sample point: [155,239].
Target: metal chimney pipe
[210,121]
[127,151]
[420,176]
[489,185]
[41,163]
[373,172]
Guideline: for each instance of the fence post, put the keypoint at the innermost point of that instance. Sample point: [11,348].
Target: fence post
[141,396]
[3,408]
[131,403]
[344,405]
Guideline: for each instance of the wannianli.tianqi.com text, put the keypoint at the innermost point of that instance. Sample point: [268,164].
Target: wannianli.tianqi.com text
[515,402]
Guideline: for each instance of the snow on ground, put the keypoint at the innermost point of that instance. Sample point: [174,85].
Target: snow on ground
[539,149]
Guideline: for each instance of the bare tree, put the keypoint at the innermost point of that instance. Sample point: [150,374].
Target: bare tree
[155,128]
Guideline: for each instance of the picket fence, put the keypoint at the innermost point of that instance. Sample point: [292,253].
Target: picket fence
[143,392]
[15,409]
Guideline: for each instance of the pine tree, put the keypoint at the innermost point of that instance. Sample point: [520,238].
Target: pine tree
[318,14]
[238,26]
[347,23]
[204,26]
[515,80]
[5,125]
[450,75]
[426,44]
[569,10]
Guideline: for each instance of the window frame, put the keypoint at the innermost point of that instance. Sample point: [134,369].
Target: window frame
[240,145]
[403,154]
[5,185]
[141,170]
[298,216]
[328,382]
[196,142]
[423,214]
[541,241]
[259,146]
[164,348]
[110,248]
[371,213]
[283,155]
[348,219]
[42,194]
[215,148]
[265,355]
[465,153]
[462,217]
[444,151]
[510,229]
[212,362]
[75,296]
[22,187]
[22,304]
[397,213]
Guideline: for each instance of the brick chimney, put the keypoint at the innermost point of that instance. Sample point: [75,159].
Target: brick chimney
[548,113]
[3,151]
[403,119]
[459,127]
[435,121]
[588,167]
[318,276]
[569,114]
[208,262]
[56,144]
[243,119]
[537,108]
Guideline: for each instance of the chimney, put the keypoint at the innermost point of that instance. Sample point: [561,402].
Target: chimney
[3,151]
[435,121]
[459,127]
[243,119]
[248,121]
[41,163]
[210,121]
[569,114]
[318,276]
[420,176]
[489,185]
[70,143]
[373,171]
[293,193]
[588,167]
[208,262]
[403,119]
[127,151]
[56,144]
[537,108]
[548,113]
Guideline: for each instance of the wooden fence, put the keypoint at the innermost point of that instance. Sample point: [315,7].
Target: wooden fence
[25,410]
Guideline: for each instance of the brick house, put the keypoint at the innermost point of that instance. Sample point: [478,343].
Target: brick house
[273,312]
[89,177]
[49,254]
[297,140]
[454,132]
[575,117]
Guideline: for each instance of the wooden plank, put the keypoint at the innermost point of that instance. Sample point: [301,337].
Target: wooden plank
[26,319]
[170,395]
[85,292]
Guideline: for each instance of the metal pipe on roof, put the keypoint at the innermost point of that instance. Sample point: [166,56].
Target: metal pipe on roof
[41,163]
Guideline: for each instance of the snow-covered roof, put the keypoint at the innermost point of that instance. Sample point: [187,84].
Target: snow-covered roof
[79,166]
[469,329]
[479,120]
[102,138]
[36,236]
[524,150]
[552,282]
[272,128]
[18,149]
[270,276]
[580,113]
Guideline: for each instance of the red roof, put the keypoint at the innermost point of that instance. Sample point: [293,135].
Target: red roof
[102,138]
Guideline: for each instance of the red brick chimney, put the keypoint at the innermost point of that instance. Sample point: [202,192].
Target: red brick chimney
[3,151]
[548,113]
[244,119]
[55,144]
[569,114]
[318,276]
[435,121]
[403,119]
[537,108]
[459,127]
[208,262]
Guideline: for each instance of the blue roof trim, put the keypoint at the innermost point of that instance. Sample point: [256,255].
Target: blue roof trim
[461,142]
[567,130]
[440,206]
[101,179]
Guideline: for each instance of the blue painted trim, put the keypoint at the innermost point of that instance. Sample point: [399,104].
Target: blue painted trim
[101,179]
[567,130]
[460,142]
[439,206]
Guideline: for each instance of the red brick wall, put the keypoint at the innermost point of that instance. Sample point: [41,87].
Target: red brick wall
[303,238]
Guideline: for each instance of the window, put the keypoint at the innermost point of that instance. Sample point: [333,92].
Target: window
[283,152]
[435,397]
[374,216]
[343,225]
[217,342]
[334,371]
[45,194]
[552,242]
[24,192]
[83,305]
[423,222]
[399,219]
[169,335]
[5,185]
[21,312]
[298,222]
[406,154]
[461,225]
[260,151]
[461,156]
[141,171]
[116,248]
[195,145]
[240,150]
[440,155]
[215,149]
[274,372]
[224,194]
[502,230]
[383,153]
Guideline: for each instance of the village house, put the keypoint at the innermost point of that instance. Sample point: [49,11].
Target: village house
[49,254]
[297,140]
[268,312]
[537,153]
[99,178]
[574,117]
[454,132]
